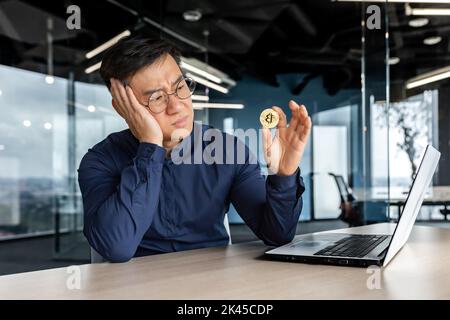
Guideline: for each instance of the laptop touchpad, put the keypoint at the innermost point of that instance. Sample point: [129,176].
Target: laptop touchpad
[310,243]
[317,241]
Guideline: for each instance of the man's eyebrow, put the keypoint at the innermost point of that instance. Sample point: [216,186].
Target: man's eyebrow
[149,92]
[178,80]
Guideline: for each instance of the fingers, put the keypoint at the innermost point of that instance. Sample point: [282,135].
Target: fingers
[282,122]
[304,125]
[303,114]
[295,109]
[267,143]
[267,137]
[301,121]
[133,100]
[299,116]
[118,103]
[126,101]
[304,134]
[124,96]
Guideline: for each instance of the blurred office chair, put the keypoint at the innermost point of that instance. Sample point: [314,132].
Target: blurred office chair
[97,258]
[445,212]
[350,209]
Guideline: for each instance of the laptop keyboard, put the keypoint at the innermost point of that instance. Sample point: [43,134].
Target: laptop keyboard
[352,246]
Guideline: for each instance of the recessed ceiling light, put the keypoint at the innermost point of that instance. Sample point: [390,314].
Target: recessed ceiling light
[419,22]
[2,147]
[394,60]
[91,108]
[27,123]
[432,40]
[1,92]
[192,15]
[47,125]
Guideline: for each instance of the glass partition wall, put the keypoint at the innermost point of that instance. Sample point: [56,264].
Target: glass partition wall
[355,171]
[372,185]
[33,151]
[418,88]
[404,89]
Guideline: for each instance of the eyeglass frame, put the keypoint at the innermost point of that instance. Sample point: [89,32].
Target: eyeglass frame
[167,95]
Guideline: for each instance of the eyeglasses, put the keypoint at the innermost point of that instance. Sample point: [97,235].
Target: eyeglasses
[158,101]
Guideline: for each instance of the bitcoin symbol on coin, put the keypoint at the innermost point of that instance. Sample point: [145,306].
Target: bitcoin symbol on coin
[269,118]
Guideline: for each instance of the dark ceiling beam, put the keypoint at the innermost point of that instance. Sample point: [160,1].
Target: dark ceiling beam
[302,20]
[296,50]
[159,26]
[278,33]
[327,46]
[316,61]
[259,5]
[189,41]
[266,77]
[235,31]
[415,51]
[418,32]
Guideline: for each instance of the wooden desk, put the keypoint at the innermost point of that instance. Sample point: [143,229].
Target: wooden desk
[420,270]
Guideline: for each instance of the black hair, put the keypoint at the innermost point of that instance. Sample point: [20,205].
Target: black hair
[130,54]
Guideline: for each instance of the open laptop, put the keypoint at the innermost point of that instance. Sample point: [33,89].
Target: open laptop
[363,249]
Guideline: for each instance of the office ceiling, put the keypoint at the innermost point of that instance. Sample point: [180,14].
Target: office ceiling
[260,37]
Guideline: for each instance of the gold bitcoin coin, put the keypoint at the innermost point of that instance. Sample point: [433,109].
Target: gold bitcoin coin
[269,118]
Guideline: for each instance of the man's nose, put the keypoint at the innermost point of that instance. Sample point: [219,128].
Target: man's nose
[174,104]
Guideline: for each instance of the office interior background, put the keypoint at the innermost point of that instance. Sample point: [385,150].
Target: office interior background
[374,79]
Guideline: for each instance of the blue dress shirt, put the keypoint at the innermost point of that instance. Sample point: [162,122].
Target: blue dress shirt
[138,201]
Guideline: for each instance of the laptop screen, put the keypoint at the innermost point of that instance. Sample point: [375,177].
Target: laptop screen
[413,202]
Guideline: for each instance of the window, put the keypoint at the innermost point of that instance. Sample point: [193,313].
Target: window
[410,130]
[33,152]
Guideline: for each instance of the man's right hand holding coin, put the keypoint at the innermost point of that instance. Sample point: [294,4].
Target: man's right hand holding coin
[139,119]
[284,153]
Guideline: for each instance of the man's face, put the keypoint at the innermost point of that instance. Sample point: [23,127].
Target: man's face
[164,74]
